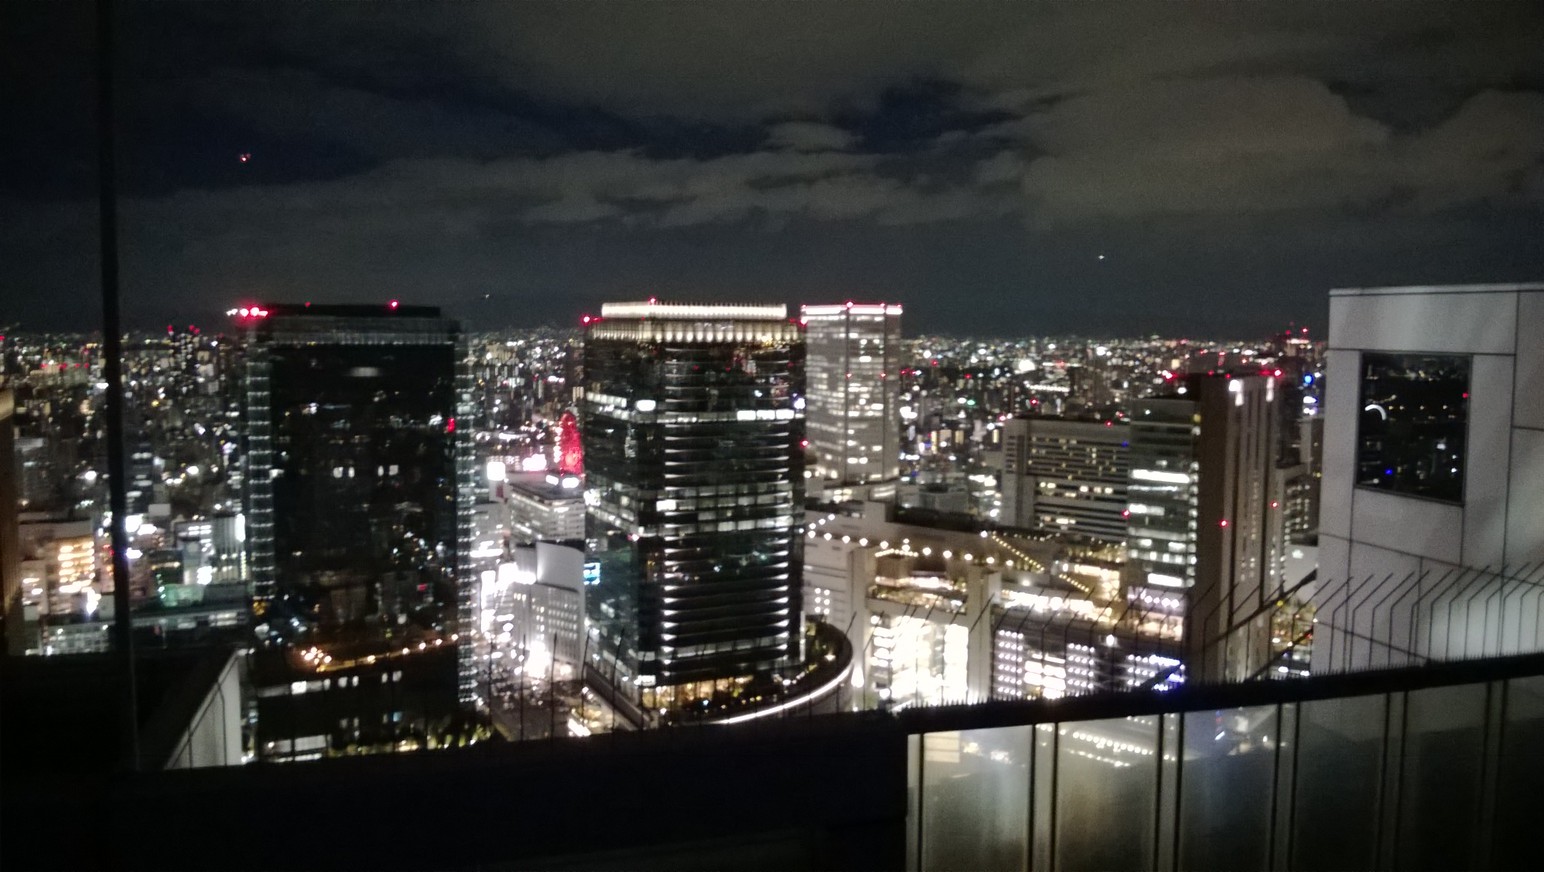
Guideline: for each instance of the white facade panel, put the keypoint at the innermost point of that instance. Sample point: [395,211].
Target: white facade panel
[1485,471]
[1525,508]
[1528,392]
[1423,528]
[1457,323]
[1341,392]
[1371,565]
[1334,559]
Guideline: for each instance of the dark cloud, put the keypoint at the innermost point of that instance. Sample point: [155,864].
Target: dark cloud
[524,159]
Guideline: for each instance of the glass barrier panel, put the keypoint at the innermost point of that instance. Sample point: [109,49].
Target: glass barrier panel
[975,799]
[1225,789]
[1515,838]
[1339,762]
[1106,793]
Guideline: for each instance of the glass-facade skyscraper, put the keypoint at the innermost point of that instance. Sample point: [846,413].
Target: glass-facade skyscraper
[693,424]
[854,389]
[358,477]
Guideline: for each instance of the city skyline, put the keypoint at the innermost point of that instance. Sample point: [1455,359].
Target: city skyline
[436,405]
[1061,169]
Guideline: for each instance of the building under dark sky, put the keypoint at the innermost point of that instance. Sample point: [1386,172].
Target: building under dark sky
[352,464]
[693,420]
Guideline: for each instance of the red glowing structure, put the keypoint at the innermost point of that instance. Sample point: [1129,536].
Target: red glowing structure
[570,447]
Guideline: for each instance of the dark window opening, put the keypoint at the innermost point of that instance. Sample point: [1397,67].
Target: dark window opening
[1414,424]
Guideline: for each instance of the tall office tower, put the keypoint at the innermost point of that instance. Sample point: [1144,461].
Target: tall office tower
[854,361]
[359,483]
[1066,476]
[1201,508]
[10,534]
[693,423]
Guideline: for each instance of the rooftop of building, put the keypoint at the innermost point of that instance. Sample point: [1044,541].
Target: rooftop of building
[546,486]
[1068,420]
[849,307]
[386,309]
[1409,290]
[654,309]
[62,713]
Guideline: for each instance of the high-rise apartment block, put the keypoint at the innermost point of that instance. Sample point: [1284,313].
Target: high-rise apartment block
[854,360]
[358,478]
[1066,476]
[1201,504]
[693,423]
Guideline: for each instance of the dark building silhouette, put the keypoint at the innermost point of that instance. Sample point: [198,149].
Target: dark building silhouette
[357,481]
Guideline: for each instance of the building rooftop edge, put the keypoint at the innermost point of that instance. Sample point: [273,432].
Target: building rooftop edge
[1437,289]
[390,309]
[876,308]
[695,311]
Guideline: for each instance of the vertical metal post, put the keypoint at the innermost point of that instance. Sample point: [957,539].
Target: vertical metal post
[112,359]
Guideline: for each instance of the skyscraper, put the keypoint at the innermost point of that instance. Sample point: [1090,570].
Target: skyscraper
[358,479]
[10,537]
[693,419]
[1200,502]
[853,365]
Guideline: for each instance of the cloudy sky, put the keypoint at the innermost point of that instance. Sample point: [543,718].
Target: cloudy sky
[1046,166]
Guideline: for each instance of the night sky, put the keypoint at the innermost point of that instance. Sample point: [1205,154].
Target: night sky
[1185,168]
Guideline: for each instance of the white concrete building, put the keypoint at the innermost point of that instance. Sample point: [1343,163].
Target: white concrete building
[533,609]
[852,373]
[1431,527]
[545,507]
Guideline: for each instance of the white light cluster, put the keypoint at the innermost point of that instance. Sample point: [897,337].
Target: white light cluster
[741,311]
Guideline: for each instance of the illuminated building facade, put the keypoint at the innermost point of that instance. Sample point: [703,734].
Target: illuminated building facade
[1065,476]
[213,549]
[853,367]
[693,419]
[944,617]
[10,539]
[358,479]
[1202,515]
[59,570]
[544,506]
[570,453]
[533,611]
